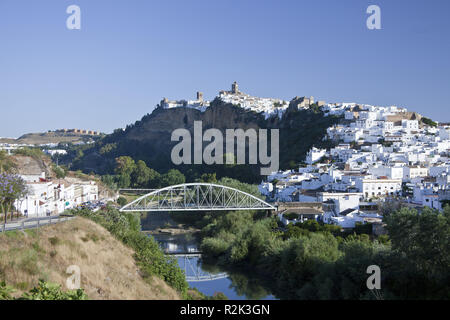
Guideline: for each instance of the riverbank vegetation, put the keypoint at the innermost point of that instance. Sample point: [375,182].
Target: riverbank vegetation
[311,261]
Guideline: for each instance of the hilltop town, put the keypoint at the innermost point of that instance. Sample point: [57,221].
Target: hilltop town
[381,154]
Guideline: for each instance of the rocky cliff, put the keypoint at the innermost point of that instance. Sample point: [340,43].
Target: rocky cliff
[150,138]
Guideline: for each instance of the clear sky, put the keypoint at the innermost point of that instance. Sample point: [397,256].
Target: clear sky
[129,54]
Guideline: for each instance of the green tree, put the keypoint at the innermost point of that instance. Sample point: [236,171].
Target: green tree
[140,175]
[124,181]
[429,122]
[110,181]
[208,178]
[60,171]
[108,148]
[423,238]
[122,201]
[124,166]
[12,188]
[50,291]
[172,177]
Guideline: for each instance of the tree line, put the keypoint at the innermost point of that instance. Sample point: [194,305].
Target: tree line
[311,261]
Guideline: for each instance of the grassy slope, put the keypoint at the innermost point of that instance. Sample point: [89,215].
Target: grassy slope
[108,269]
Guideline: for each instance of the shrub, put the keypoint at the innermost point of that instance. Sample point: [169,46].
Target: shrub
[214,246]
[5,291]
[122,201]
[50,291]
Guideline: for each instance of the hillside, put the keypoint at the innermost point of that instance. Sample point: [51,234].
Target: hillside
[29,165]
[108,269]
[50,137]
[150,138]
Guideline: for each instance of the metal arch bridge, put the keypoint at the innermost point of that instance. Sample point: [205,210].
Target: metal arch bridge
[196,197]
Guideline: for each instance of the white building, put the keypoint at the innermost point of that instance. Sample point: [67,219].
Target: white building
[315,155]
[342,201]
[49,198]
[381,187]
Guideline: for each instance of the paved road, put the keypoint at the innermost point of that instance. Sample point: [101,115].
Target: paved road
[32,223]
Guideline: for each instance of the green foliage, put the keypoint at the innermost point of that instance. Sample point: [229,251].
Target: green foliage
[6,162]
[122,201]
[60,171]
[208,178]
[215,246]
[35,153]
[314,261]
[142,175]
[43,291]
[423,239]
[12,187]
[124,166]
[50,291]
[299,131]
[293,231]
[109,181]
[108,148]
[5,291]
[429,122]
[172,177]
[245,187]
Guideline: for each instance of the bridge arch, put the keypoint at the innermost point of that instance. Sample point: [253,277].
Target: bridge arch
[197,197]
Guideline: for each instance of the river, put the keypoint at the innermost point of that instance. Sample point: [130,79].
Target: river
[185,246]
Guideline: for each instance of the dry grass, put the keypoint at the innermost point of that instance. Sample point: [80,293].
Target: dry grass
[108,269]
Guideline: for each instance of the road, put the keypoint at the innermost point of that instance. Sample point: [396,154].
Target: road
[32,223]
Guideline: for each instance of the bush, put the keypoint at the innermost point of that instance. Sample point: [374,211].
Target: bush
[214,246]
[314,261]
[51,291]
[5,291]
[429,122]
[35,153]
[122,201]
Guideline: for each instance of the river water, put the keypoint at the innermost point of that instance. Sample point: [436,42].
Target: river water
[236,286]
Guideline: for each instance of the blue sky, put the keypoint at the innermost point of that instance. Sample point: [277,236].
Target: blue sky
[129,54]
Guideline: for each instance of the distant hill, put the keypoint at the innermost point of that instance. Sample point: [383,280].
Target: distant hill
[50,137]
[150,138]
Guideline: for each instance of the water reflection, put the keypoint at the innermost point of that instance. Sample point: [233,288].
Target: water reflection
[235,285]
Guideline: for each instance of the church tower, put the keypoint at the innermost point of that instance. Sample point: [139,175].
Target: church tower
[235,88]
